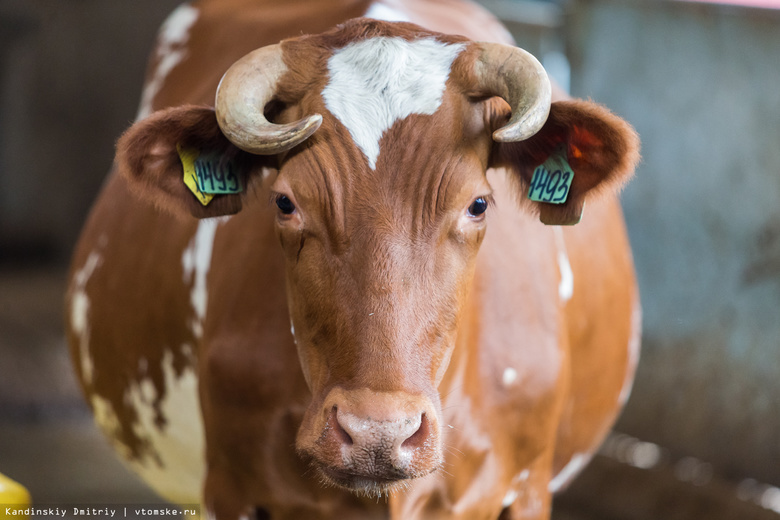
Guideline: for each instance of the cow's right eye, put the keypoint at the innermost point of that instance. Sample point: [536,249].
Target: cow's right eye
[285,205]
[478,207]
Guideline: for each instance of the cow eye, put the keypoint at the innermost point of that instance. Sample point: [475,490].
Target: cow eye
[285,205]
[478,207]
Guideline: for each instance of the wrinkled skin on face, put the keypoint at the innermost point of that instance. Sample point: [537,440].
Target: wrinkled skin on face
[418,361]
[378,266]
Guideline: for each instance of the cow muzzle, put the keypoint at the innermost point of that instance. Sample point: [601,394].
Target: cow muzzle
[371,442]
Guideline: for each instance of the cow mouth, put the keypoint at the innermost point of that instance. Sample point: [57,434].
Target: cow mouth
[371,486]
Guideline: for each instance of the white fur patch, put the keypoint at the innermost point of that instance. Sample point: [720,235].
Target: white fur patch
[569,471]
[510,376]
[196,262]
[380,11]
[509,498]
[566,285]
[513,493]
[79,313]
[175,466]
[171,50]
[633,352]
[376,82]
[106,418]
[292,331]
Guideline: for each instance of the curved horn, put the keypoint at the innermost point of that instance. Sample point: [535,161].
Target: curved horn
[516,76]
[244,91]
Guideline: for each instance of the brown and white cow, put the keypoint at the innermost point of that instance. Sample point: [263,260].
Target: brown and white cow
[448,351]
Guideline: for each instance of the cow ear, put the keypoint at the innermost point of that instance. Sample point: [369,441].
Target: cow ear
[601,149]
[149,156]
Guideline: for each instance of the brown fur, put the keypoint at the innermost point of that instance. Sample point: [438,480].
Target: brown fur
[406,309]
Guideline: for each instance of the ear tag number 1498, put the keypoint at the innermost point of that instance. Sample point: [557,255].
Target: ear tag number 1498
[552,179]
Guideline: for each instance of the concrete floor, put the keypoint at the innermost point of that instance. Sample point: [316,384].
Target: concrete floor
[49,443]
[68,462]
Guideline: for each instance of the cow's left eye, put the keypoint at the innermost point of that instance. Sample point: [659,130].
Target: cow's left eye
[478,207]
[285,205]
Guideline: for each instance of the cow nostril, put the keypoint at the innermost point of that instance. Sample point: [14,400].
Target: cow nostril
[338,431]
[261,514]
[419,437]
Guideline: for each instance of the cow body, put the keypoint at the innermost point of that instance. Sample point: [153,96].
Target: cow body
[181,329]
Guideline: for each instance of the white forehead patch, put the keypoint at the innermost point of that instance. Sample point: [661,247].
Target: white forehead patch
[379,11]
[376,82]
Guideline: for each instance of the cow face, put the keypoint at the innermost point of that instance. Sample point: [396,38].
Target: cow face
[379,262]
[381,138]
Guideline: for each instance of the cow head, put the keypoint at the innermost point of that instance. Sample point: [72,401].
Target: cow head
[380,142]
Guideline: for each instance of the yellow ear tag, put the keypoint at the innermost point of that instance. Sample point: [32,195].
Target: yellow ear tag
[552,179]
[188,157]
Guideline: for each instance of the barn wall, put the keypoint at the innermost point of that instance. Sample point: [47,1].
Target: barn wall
[70,80]
[700,83]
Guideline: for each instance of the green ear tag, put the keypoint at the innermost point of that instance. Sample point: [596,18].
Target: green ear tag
[552,179]
[216,176]
[188,158]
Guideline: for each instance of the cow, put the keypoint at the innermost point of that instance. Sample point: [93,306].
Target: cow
[370,318]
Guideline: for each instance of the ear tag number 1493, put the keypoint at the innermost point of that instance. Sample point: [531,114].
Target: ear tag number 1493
[217,176]
[207,175]
[552,179]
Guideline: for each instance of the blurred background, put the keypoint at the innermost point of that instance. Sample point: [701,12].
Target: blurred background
[700,437]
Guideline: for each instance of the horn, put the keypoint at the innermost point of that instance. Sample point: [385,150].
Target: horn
[244,91]
[519,79]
